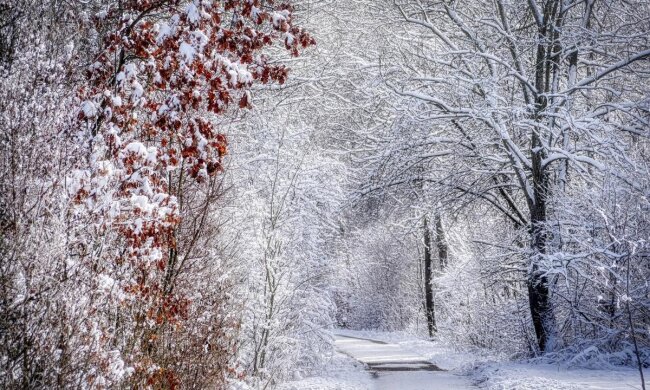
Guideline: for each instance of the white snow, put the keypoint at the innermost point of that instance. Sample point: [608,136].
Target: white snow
[137,92]
[341,373]
[137,148]
[152,155]
[130,71]
[164,30]
[89,109]
[279,17]
[193,14]
[527,376]
[117,101]
[187,52]
[388,355]
[289,39]
[349,369]
[370,351]
[141,202]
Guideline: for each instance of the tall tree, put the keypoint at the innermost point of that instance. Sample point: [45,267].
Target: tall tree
[429,306]
[518,107]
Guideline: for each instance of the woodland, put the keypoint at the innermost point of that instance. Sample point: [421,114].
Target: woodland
[197,193]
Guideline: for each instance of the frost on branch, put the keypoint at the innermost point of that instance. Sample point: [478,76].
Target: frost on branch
[165,71]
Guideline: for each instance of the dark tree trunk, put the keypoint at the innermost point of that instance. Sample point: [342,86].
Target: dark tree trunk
[546,67]
[441,243]
[538,293]
[540,307]
[428,285]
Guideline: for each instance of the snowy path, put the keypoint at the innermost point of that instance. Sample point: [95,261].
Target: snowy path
[394,367]
[403,362]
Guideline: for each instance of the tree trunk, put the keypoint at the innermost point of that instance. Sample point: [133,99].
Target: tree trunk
[546,66]
[428,283]
[538,293]
[441,243]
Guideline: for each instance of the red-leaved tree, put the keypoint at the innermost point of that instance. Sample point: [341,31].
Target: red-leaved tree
[165,71]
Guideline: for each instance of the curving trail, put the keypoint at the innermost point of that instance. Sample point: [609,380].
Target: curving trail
[394,367]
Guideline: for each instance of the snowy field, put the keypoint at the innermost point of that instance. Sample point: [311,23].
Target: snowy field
[364,361]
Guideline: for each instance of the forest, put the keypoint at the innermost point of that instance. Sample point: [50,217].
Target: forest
[257,194]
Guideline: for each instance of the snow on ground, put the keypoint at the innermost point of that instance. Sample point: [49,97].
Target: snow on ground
[527,376]
[387,359]
[369,351]
[341,373]
[462,370]
[347,373]
[442,356]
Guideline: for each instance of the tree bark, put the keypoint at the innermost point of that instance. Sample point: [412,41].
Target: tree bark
[538,292]
[441,243]
[428,283]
